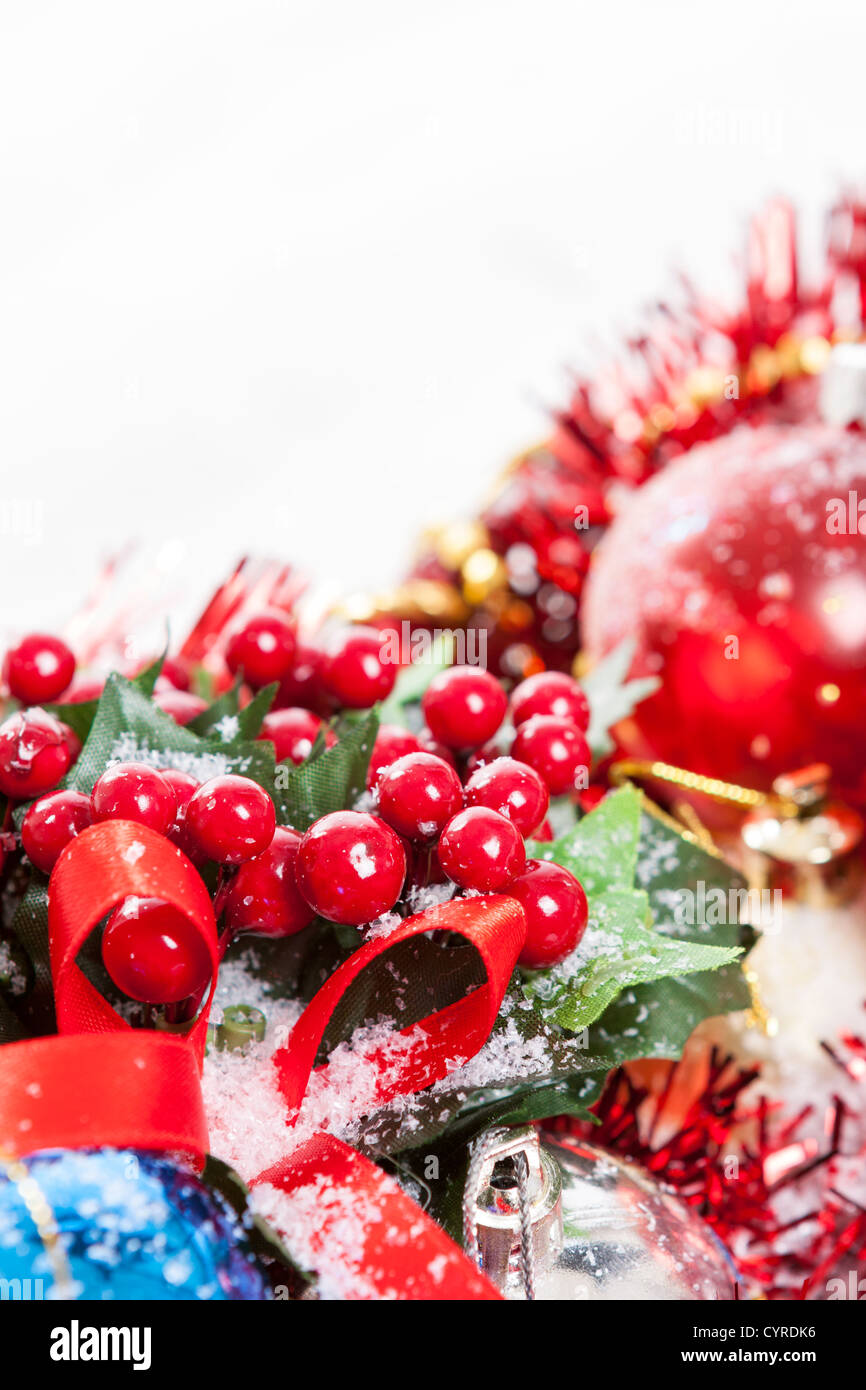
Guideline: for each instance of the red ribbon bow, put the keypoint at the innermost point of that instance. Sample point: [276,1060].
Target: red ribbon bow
[103,1083]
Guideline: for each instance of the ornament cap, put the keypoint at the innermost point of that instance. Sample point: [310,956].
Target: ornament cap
[804,843]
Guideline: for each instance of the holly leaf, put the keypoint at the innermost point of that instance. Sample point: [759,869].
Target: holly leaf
[602,849]
[225,722]
[612,696]
[327,783]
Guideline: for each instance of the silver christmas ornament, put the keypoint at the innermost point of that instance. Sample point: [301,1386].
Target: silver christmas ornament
[548,1219]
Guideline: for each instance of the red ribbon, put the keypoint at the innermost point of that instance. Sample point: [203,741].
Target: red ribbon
[139,1089]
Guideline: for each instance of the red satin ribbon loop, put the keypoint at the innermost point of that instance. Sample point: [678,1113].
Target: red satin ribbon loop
[130,1090]
[495,926]
[104,865]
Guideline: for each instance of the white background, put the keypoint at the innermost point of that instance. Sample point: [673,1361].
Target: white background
[299,277]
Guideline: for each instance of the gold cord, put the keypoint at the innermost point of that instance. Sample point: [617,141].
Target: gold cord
[40,1213]
[639,769]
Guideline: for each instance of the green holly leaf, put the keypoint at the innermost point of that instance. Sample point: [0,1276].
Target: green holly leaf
[330,782]
[602,849]
[611,696]
[225,722]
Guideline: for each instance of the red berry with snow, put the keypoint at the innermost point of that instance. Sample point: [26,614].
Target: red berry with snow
[556,749]
[464,706]
[356,671]
[182,706]
[480,849]
[50,824]
[230,819]
[36,750]
[351,867]
[550,692]
[392,743]
[293,732]
[153,953]
[513,789]
[418,795]
[556,912]
[264,649]
[39,669]
[264,897]
[136,792]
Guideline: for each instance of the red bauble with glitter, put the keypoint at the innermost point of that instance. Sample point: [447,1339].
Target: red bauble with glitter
[741,572]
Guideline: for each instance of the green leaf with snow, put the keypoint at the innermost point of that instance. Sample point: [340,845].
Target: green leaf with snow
[612,696]
[226,722]
[329,782]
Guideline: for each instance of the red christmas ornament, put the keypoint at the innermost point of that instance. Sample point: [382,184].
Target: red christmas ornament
[741,571]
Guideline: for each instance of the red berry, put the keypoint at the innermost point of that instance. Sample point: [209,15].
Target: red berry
[50,823]
[464,706]
[418,795]
[153,953]
[555,748]
[36,750]
[182,784]
[481,849]
[513,789]
[392,743]
[264,649]
[264,896]
[293,732]
[550,692]
[230,819]
[39,669]
[351,867]
[355,671]
[181,705]
[556,912]
[303,684]
[134,791]
[175,673]
[429,744]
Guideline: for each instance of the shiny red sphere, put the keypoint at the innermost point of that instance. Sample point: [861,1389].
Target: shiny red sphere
[264,897]
[556,749]
[464,706]
[230,819]
[39,668]
[391,743]
[264,649]
[293,732]
[480,849]
[137,792]
[153,953]
[550,692]
[36,751]
[556,913]
[356,671]
[50,824]
[181,705]
[740,570]
[351,867]
[513,789]
[418,795]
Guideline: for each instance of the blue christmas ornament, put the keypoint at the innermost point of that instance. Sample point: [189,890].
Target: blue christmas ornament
[118,1224]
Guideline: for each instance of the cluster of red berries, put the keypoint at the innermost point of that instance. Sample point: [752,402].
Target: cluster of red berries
[350,867]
